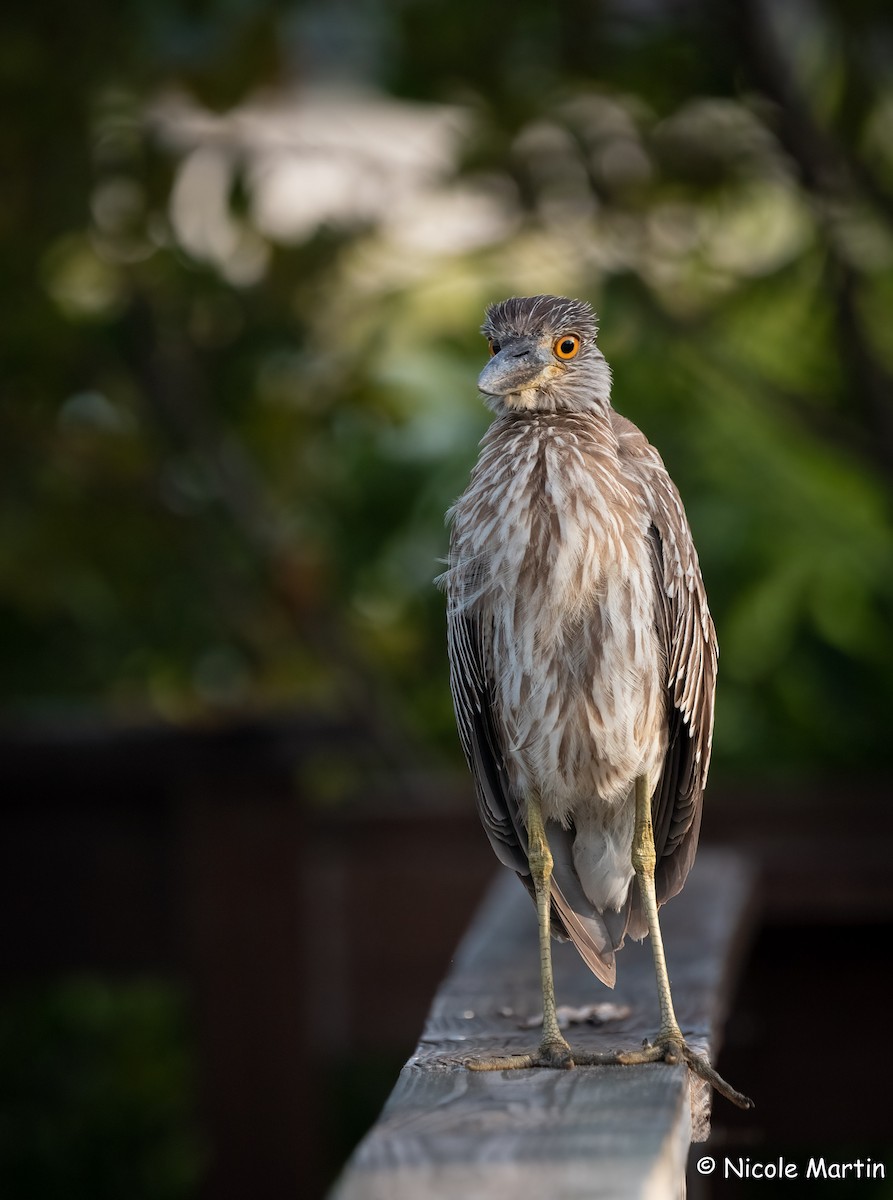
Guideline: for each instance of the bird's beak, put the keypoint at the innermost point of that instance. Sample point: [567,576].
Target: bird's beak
[520,364]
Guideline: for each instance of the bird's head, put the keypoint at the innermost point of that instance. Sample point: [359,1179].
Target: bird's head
[543,356]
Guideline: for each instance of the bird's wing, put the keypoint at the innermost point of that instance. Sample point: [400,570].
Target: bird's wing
[499,812]
[573,915]
[689,640]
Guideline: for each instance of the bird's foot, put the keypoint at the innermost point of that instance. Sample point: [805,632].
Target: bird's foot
[670,1047]
[555,1053]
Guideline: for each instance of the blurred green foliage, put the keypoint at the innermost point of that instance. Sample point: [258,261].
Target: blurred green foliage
[229,430]
[246,248]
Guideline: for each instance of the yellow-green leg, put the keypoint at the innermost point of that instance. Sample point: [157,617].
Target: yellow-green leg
[554,1050]
[644,863]
[669,1045]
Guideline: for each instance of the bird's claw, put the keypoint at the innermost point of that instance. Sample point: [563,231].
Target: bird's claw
[673,1050]
[669,1049]
[553,1055]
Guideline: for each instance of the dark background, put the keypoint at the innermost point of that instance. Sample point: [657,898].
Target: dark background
[246,249]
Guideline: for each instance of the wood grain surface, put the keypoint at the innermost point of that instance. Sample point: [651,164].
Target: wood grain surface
[595,1132]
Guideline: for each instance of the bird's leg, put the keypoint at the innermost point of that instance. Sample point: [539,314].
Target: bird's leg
[644,862]
[539,856]
[554,1050]
[669,1045]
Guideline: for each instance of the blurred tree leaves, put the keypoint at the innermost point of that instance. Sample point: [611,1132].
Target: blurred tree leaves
[239,353]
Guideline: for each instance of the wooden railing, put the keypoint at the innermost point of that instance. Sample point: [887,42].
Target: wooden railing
[594,1132]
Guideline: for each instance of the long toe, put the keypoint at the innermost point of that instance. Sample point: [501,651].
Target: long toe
[672,1049]
[554,1054]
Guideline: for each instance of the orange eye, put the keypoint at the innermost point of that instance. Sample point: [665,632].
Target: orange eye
[567,346]
[494,347]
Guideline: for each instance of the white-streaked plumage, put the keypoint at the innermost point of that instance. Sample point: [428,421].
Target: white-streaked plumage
[582,651]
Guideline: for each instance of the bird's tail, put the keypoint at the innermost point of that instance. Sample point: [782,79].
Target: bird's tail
[595,934]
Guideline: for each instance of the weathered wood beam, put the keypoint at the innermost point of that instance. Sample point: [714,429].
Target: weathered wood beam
[594,1132]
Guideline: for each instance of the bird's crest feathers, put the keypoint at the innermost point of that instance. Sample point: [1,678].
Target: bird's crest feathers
[531,315]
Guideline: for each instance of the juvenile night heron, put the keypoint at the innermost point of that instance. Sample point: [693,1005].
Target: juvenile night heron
[582,658]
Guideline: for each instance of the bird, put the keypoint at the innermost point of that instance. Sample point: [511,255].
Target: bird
[582,657]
